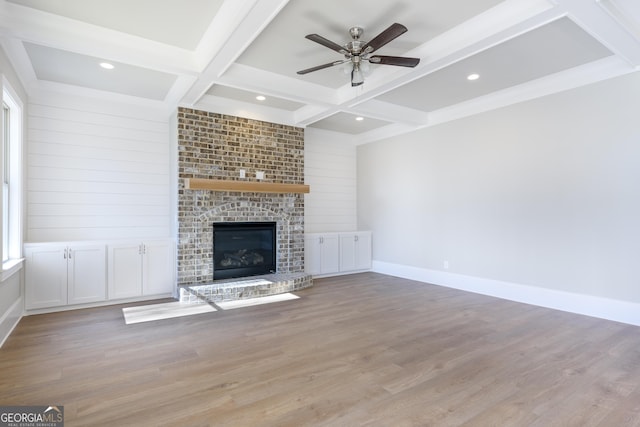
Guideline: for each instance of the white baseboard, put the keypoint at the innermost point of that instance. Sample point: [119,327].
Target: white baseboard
[604,308]
[10,320]
[339,273]
[32,311]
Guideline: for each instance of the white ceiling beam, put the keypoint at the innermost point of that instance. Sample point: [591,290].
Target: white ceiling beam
[15,51]
[582,75]
[311,113]
[390,112]
[63,33]
[267,83]
[385,132]
[497,25]
[245,109]
[503,22]
[43,86]
[247,19]
[307,116]
[626,12]
[595,20]
[179,87]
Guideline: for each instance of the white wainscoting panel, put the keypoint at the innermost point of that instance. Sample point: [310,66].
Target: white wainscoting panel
[11,305]
[96,170]
[330,170]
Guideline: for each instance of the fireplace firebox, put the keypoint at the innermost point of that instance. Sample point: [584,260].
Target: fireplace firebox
[243,249]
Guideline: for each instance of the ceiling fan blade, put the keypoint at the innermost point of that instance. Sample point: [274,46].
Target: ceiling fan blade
[326,43]
[321,67]
[385,37]
[401,61]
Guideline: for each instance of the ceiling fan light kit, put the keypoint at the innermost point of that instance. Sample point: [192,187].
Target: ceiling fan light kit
[358,53]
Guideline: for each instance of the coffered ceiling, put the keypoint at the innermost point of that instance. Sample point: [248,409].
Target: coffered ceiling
[218,55]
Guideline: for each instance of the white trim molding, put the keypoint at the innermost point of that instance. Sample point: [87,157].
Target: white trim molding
[589,305]
[11,267]
[10,320]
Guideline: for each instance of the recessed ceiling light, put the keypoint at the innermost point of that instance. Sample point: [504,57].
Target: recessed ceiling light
[107,66]
[473,76]
[359,119]
[260,98]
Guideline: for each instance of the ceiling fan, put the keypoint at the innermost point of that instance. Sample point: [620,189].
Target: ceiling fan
[358,52]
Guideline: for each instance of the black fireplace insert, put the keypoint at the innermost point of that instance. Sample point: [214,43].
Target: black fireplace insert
[243,249]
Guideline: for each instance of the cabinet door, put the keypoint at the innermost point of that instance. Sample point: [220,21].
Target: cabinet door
[124,273]
[363,251]
[86,273]
[312,254]
[321,254]
[355,251]
[158,272]
[330,249]
[347,252]
[45,276]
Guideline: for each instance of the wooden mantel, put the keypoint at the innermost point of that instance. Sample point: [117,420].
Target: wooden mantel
[243,186]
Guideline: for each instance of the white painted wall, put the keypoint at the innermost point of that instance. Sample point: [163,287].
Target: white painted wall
[330,170]
[97,170]
[543,194]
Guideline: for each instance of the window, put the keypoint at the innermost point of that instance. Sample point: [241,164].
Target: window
[6,146]
[11,175]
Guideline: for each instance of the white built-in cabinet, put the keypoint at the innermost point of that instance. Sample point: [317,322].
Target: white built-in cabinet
[337,253]
[355,251]
[59,274]
[141,269]
[73,273]
[321,253]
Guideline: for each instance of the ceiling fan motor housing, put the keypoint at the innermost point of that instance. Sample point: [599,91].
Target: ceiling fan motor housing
[355,46]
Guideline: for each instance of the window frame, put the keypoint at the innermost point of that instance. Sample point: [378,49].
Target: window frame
[12,188]
[6,171]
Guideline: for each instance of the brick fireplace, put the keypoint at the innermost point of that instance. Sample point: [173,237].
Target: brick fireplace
[216,146]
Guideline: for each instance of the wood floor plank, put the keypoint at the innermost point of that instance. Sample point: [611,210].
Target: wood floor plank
[358,350]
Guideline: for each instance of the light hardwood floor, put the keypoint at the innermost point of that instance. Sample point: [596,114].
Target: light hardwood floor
[359,350]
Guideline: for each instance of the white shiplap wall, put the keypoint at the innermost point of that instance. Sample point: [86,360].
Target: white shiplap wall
[97,170]
[330,170]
